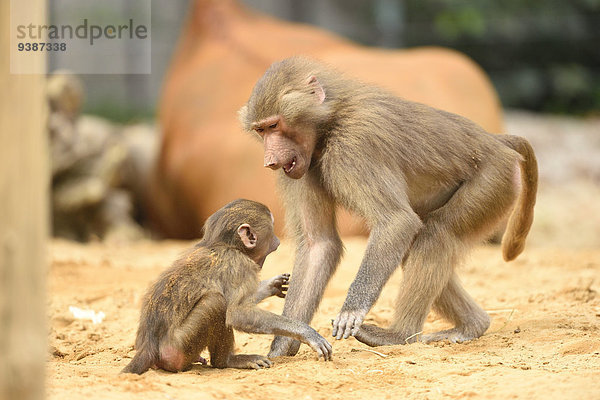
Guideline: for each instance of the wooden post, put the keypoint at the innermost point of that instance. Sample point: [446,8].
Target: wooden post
[24,183]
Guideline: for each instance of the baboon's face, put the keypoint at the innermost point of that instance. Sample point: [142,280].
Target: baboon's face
[286,147]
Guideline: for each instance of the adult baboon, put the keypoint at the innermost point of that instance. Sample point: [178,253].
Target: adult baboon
[428,182]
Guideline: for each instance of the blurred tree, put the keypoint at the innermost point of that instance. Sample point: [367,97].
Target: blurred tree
[541,54]
[23,217]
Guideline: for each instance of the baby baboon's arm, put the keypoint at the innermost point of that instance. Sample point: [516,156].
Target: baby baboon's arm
[251,319]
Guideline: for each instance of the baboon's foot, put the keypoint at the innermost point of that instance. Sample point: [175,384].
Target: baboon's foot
[372,335]
[453,335]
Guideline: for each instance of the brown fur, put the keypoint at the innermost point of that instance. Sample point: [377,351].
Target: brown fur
[210,290]
[428,182]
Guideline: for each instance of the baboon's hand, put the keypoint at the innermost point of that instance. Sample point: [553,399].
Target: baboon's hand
[347,323]
[320,345]
[278,285]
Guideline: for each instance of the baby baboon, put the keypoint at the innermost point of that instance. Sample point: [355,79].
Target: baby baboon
[429,183]
[210,290]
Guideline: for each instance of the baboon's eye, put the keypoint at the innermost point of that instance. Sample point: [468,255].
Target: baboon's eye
[273,126]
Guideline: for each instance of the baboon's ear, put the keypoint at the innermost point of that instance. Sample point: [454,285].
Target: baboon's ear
[247,235]
[318,90]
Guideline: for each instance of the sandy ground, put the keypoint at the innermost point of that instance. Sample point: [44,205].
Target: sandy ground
[544,341]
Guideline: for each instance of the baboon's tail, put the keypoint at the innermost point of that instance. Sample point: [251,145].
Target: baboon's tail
[141,362]
[521,217]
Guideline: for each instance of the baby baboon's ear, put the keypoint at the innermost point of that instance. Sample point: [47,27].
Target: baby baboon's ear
[247,235]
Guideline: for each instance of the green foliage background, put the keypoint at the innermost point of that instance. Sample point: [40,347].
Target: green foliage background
[542,55]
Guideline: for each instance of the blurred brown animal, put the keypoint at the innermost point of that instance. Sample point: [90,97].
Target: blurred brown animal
[212,289]
[224,48]
[428,182]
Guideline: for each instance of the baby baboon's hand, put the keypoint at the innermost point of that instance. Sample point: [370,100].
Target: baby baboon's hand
[278,285]
[319,344]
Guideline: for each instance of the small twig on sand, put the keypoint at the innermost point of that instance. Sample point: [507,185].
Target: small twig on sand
[370,351]
[412,336]
[507,320]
